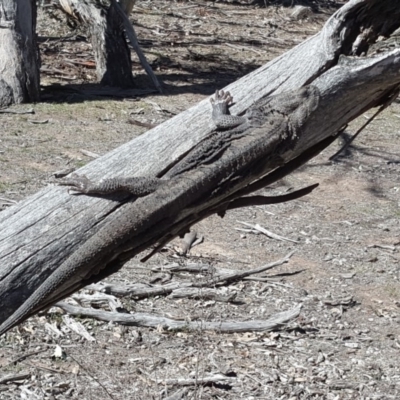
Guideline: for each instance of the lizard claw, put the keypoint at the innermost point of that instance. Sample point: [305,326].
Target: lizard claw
[79,183]
[222,97]
[220,103]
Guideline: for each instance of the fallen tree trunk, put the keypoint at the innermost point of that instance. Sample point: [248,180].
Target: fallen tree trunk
[37,235]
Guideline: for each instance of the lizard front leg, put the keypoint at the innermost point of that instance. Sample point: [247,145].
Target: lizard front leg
[138,186]
[220,111]
[229,128]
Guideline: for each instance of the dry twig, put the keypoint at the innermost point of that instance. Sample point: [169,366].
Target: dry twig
[154,321]
[268,233]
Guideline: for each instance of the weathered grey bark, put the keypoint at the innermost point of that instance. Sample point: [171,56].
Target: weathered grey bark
[124,8]
[107,28]
[111,51]
[154,321]
[19,57]
[112,54]
[41,232]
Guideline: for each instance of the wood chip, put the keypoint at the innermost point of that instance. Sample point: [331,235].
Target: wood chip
[14,377]
[77,327]
[268,233]
[9,111]
[89,153]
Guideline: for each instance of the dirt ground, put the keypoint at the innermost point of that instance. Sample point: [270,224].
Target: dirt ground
[344,273]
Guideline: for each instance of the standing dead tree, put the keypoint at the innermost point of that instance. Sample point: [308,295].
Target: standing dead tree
[19,58]
[19,53]
[108,28]
[38,234]
[112,55]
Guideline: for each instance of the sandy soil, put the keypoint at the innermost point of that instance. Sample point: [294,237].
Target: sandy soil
[345,270]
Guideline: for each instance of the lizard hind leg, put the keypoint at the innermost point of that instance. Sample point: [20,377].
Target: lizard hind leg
[138,186]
